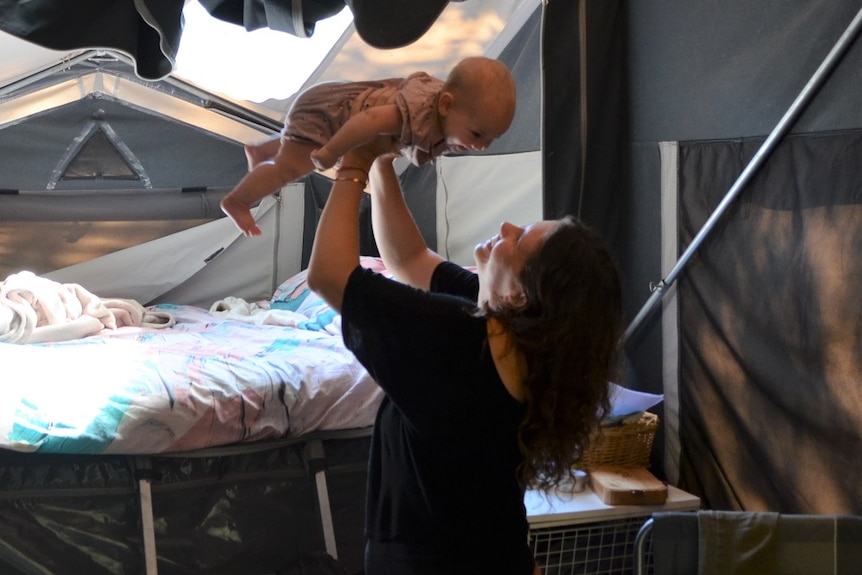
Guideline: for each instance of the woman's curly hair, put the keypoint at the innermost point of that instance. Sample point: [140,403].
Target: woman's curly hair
[570,333]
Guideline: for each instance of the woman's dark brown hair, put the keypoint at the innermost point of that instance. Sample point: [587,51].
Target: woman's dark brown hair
[569,332]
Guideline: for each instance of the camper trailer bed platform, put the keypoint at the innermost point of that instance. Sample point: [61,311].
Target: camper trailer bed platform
[233,441]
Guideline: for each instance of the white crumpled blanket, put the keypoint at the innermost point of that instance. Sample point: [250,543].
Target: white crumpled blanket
[238,309]
[34,309]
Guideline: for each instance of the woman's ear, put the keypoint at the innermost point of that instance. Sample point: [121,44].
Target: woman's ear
[518,300]
[445,101]
[515,300]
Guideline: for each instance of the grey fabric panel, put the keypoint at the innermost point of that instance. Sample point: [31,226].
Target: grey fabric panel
[639,253]
[111,206]
[522,57]
[420,193]
[738,543]
[808,544]
[685,543]
[317,189]
[675,543]
[711,70]
[770,324]
[848,545]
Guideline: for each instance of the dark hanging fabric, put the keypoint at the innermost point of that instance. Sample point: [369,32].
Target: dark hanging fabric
[294,18]
[380,23]
[150,30]
[771,327]
[561,110]
[147,30]
[582,97]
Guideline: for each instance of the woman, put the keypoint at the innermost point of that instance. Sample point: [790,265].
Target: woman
[493,380]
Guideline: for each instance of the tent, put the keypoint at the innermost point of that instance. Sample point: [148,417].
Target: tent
[638,117]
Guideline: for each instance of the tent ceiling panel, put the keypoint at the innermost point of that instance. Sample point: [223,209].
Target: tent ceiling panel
[134,93]
[172,154]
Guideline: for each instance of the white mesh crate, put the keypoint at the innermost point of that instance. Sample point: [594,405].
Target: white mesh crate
[596,548]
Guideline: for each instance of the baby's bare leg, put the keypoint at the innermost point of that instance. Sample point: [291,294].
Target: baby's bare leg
[291,162]
[261,151]
[323,159]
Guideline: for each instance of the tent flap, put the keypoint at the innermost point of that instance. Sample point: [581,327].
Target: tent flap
[770,329]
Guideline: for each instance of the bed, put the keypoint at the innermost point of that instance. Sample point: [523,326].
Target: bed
[220,440]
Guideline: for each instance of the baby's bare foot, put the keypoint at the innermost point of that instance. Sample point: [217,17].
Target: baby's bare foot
[241,215]
[322,159]
[253,156]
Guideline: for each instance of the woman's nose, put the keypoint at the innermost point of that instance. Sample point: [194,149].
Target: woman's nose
[507,228]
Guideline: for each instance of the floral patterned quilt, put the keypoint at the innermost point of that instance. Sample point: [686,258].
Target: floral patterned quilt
[212,379]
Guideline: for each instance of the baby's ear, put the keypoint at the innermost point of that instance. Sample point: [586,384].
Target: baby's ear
[445,102]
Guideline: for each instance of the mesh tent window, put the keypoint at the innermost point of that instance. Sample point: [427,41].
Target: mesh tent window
[98,153]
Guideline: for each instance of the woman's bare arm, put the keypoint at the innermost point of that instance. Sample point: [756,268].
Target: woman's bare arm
[335,253]
[401,245]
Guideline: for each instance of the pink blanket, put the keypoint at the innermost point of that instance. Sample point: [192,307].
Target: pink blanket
[34,309]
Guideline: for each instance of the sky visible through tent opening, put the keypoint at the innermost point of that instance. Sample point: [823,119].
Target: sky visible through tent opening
[267,65]
[255,66]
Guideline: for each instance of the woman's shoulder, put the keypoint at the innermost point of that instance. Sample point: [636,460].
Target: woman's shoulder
[449,277]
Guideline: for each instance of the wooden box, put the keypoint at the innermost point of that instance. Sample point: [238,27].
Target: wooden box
[627,486]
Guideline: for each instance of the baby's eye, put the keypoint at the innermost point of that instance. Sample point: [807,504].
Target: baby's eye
[476,134]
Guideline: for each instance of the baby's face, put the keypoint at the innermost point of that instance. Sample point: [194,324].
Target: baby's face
[473,128]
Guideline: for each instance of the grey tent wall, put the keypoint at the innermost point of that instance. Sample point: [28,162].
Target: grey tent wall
[796,108]
[712,72]
[770,327]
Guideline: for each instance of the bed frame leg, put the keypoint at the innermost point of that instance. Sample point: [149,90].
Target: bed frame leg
[144,473]
[316,460]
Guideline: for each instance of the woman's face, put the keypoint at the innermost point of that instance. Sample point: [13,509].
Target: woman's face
[499,260]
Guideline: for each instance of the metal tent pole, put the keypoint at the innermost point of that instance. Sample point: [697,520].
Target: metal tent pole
[796,108]
[67,62]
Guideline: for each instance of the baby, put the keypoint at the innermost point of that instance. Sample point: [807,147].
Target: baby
[425,116]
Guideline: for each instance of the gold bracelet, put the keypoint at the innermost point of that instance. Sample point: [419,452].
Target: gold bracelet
[355,180]
[339,178]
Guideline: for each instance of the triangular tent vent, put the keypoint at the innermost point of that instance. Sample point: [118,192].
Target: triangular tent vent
[98,158]
[98,154]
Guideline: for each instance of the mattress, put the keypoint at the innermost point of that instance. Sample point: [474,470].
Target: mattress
[237,372]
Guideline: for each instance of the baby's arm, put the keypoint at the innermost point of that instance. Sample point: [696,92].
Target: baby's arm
[361,128]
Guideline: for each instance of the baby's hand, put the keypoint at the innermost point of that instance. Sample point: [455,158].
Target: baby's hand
[322,159]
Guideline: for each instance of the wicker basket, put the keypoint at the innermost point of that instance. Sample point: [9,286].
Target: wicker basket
[627,445]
